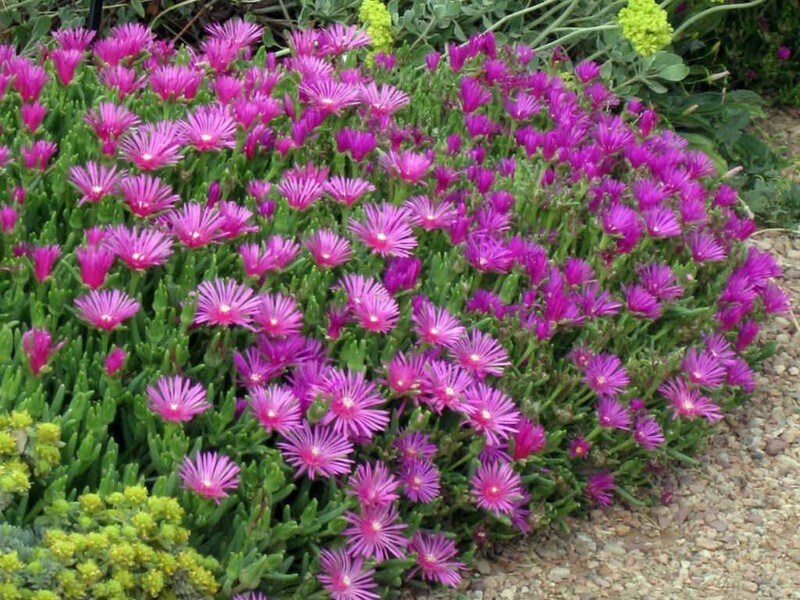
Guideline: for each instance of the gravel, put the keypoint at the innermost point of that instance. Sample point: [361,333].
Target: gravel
[731,530]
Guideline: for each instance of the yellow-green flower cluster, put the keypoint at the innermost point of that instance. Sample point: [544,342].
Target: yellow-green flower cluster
[25,448]
[126,545]
[377,22]
[645,25]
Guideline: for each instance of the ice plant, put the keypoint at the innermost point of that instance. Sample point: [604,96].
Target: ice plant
[317,451]
[38,345]
[106,309]
[44,257]
[344,576]
[376,533]
[177,398]
[224,302]
[209,474]
[496,486]
[276,408]
[435,554]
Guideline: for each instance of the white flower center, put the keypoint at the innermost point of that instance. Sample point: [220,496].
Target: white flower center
[224,309]
[381,237]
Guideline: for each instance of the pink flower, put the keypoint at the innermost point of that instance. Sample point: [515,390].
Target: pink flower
[28,78]
[435,554]
[209,128]
[110,120]
[703,368]
[444,384]
[317,452]
[687,402]
[146,195]
[496,487]
[95,262]
[172,82]
[176,399]
[276,408]
[437,326]
[784,53]
[225,302]
[277,315]
[32,115]
[599,488]
[253,370]
[606,375]
[345,578]
[153,145]
[195,225]
[376,533]
[139,249]
[385,230]
[422,212]
[37,155]
[612,414]
[481,354]
[75,38]
[106,309]
[327,249]
[328,95]
[114,360]
[66,61]
[385,100]
[647,432]
[408,166]
[529,439]
[490,412]
[43,259]
[337,39]
[38,345]
[373,485]
[95,181]
[352,405]
[8,218]
[420,481]
[302,186]
[210,474]
[347,191]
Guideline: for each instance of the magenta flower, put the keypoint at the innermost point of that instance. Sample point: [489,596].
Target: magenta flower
[599,488]
[444,384]
[408,166]
[110,120]
[114,360]
[705,247]
[347,191]
[783,53]
[488,254]
[225,302]
[496,487]
[277,315]
[235,219]
[209,128]
[344,576]
[647,432]
[177,399]
[317,452]
[139,249]
[385,100]
[38,345]
[579,448]
[357,143]
[32,115]
[373,485]
[377,312]
[420,481]
[153,145]
[423,212]
[376,533]
[436,326]
[606,375]
[641,303]
[490,412]
[337,39]
[612,415]
[44,257]
[687,402]
[414,445]
[328,95]
[65,62]
[210,474]
[385,230]
[473,95]
[352,405]
[95,262]
[435,554]
[481,354]
[237,32]
[195,225]
[276,408]
[74,38]
[8,218]
[106,309]
[703,369]
[146,195]
[328,249]
[28,79]
[172,82]
[529,439]
[36,155]
[303,186]
[253,370]
[94,181]
[661,222]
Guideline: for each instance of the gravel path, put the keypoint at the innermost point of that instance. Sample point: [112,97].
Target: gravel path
[731,530]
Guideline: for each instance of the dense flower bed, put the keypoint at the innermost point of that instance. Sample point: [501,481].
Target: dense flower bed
[358,319]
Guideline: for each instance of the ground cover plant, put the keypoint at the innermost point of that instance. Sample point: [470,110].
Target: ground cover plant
[317,325]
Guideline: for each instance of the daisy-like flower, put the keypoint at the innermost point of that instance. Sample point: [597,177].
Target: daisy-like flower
[172,82]
[385,100]
[661,222]
[641,303]
[407,166]
[496,487]
[403,373]
[35,156]
[146,195]
[209,128]
[276,256]
[528,439]
[139,249]
[423,212]
[612,415]
[253,370]
[420,481]
[490,412]
[114,360]
[44,257]
[488,253]
[705,247]
[687,402]
[177,399]
[196,225]
[357,143]
[352,405]
[414,445]
[276,408]
[481,354]
[328,95]
[437,326]
[302,186]
[238,32]
[327,249]
[122,79]
[110,120]
[153,145]
[599,488]
[373,485]
[74,38]
[317,452]
[225,302]
[94,181]
[444,384]
[435,554]
[278,315]
[235,220]
[338,38]
[347,191]
[606,375]
[344,577]
[385,230]
[703,369]
[38,345]
[579,448]
[377,312]
[106,309]
[210,474]
[94,262]
[647,432]
[376,533]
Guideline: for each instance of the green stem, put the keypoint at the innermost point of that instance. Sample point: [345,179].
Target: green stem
[715,9]
[556,24]
[569,36]
[519,13]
